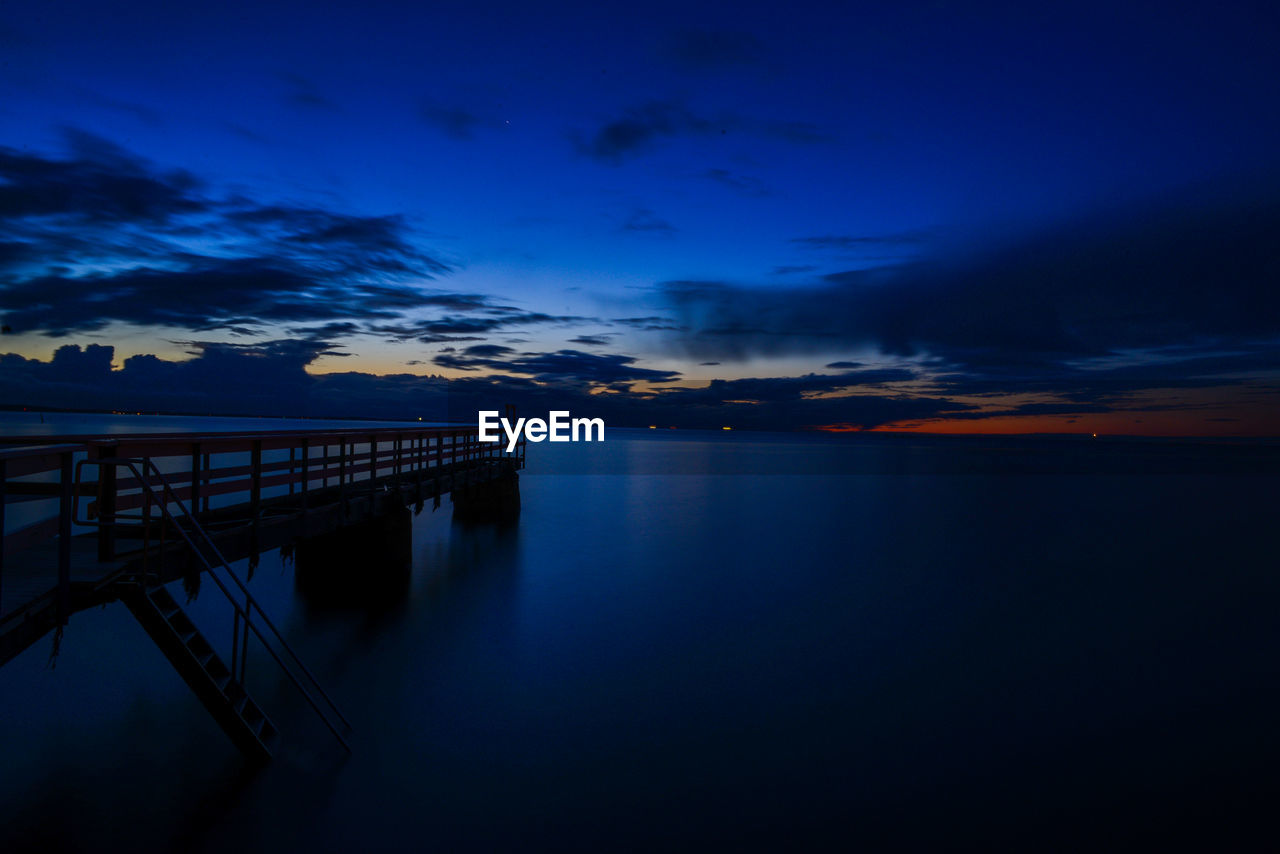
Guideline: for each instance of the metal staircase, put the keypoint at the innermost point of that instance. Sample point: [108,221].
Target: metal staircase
[219,687]
[203,670]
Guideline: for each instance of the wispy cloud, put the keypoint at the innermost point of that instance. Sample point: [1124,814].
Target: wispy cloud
[454,120]
[641,127]
[645,220]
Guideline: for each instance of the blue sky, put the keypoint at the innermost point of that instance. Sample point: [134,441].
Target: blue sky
[581,164]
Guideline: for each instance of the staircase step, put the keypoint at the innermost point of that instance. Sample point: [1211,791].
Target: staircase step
[200,667]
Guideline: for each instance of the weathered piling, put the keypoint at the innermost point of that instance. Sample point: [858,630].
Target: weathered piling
[365,563]
[496,500]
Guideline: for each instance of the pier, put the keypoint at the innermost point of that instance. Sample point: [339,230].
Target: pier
[93,519]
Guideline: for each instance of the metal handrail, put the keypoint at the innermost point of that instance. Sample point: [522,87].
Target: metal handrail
[250,602]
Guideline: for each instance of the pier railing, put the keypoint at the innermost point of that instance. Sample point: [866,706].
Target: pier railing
[208,471]
[249,616]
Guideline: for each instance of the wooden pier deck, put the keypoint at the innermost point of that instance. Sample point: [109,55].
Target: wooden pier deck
[252,492]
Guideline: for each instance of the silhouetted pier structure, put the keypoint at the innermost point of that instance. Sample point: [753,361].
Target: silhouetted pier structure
[91,519]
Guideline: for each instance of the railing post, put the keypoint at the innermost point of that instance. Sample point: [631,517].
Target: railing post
[306,455]
[205,462]
[3,477]
[64,540]
[195,477]
[235,638]
[144,478]
[255,487]
[342,475]
[244,640]
[373,467]
[106,504]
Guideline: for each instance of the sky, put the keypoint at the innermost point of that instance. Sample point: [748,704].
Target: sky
[952,217]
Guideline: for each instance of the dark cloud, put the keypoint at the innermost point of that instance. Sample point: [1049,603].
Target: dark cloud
[270,378]
[649,323]
[1176,295]
[591,340]
[333,329]
[99,183]
[639,128]
[480,320]
[487,351]
[1162,276]
[645,220]
[859,241]
[702,50]
[744,184]
[304,93]
[453,120]
[103,236]
[230,295]
[561,366]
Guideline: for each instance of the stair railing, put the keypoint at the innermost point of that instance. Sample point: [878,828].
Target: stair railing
[243,622]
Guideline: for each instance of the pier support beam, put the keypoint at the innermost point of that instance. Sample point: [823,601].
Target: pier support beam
[496,500]
[364,563]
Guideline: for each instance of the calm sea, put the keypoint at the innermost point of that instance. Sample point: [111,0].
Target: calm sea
[736,640]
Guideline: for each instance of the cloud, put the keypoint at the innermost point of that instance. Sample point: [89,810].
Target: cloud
[1179,291]
[650,323]
[474,321]
[1134,279]
[645,220]
[561,366]
[270,378]
[304,93]
[102,236]
[639,128]
[99,183]
[859,241]
[453,120]
[591,340]
[787,270]
[744,184]
[487,351]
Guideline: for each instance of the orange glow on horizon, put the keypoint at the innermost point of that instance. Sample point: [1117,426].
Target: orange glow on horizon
[1117,423]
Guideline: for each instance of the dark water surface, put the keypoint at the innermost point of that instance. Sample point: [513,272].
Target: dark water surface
[927,655]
